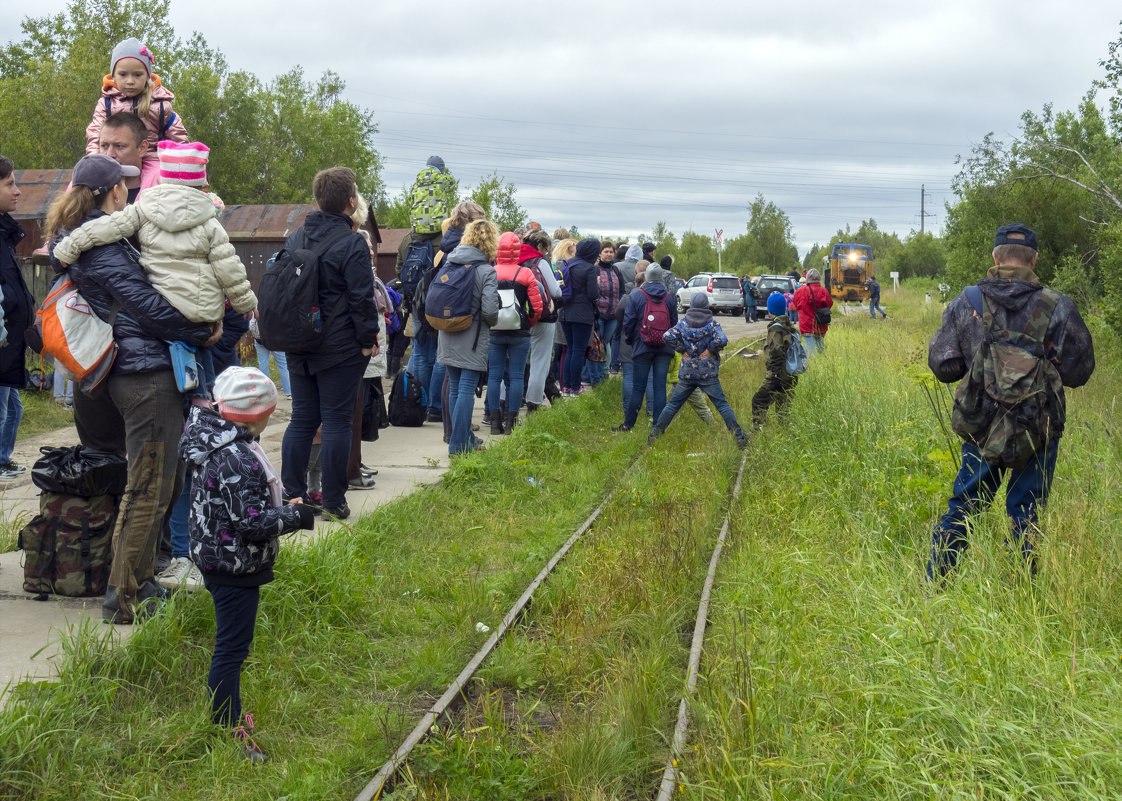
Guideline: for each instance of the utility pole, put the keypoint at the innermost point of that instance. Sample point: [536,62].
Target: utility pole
[923,215]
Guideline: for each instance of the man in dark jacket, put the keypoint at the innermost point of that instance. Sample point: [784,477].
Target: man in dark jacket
[874,299]
[1010,291]
[18,309]
[325,382]
[578,315]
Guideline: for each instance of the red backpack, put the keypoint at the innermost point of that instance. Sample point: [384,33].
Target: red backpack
[656,320]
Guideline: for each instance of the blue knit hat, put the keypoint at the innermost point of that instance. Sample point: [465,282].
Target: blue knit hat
[776,304]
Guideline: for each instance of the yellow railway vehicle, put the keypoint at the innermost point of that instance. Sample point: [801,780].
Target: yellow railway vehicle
[848,269]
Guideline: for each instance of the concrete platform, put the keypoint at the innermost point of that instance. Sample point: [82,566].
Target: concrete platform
[30,631]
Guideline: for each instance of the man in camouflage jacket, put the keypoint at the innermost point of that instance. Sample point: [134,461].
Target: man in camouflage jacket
[1010,290]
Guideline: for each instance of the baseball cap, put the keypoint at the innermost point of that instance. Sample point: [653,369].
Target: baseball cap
[101,173]
[1015,234]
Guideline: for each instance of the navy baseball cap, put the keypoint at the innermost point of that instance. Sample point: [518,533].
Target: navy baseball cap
[100,173]
[1015,234]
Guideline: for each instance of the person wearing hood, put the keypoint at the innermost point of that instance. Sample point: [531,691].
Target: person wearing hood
[465,353]
[510,336]
[779,385]
[647,357]
[699,339]
[325,382]
[138,411]
[612,288]
[535,256]
[627,267]
[235,523]
[582,284]
[812,302]
[1011,293]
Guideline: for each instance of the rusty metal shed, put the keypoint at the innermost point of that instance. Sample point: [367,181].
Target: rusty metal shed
[256,231]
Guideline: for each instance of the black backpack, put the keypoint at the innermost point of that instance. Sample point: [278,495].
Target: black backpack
[418,261]
[408,400]
[289,316]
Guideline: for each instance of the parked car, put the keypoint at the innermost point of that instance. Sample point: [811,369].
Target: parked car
[723,290]
[772,283]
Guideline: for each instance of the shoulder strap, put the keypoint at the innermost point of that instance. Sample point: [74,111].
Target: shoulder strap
[1041,316]
[108,107]
[974,295]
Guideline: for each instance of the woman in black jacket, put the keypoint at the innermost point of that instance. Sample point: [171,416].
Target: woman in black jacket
[138,411]
[579,313]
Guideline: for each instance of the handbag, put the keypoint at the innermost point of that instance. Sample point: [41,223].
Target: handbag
[822,314]
[79,340]
[183,365]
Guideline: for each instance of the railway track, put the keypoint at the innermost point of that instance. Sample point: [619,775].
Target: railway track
[386,773]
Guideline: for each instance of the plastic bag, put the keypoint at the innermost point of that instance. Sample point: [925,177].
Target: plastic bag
[80,471]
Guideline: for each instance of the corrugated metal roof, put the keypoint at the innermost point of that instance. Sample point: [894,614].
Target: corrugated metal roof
[264,222]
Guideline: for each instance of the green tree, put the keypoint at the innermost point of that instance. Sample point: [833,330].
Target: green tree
[497,197]
[771,229]
[696,254]
[267,140]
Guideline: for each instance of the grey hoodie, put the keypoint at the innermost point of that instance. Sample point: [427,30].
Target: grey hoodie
[467,350]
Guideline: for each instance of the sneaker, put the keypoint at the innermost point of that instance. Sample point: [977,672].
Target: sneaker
[340,512]
[433,416]
[363,482]
[10,470]
[621,429]
[367,471]
[173,576]
[742,440]
[243,734]
[193,580]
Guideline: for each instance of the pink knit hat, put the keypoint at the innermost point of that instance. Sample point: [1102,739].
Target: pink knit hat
[183,163]
[244,394]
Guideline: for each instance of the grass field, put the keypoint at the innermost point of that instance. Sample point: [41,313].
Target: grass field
[832,670]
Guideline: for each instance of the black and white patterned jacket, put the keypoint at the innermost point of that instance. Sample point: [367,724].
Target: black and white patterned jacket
[234,529]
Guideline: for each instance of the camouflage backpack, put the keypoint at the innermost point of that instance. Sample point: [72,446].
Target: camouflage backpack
[67,545]
[428,200]
[1011,402]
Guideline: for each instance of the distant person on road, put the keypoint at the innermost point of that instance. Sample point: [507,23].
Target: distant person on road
[813,301]
[236,520]
[779,385]
[874,298]
[748,287]
[1009,299]
[699,339]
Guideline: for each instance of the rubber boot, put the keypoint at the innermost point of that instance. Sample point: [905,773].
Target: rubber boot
[510,420]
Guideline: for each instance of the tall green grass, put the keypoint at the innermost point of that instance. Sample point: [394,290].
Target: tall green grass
[353,639]
[834,670]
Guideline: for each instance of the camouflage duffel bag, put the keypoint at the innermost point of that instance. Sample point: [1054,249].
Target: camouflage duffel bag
[67,546]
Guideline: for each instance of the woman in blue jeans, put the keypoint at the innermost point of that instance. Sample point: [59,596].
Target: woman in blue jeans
[645,356]
[578,315]
[510,338]
[464,353]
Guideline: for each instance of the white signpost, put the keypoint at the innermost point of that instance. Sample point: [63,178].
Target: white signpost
[895,280]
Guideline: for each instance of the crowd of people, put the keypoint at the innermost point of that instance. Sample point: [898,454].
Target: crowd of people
[520,317]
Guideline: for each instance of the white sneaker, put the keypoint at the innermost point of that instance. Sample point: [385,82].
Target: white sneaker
[194,578]
[174,574]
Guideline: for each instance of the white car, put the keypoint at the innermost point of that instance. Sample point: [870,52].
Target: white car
[722,289]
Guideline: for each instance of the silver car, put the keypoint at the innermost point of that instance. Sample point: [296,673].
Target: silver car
[722,289]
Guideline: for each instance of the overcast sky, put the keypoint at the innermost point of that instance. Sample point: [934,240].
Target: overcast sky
[613,115]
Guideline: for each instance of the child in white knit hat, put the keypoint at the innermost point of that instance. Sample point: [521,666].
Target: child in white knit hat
[235,523]
[183,249]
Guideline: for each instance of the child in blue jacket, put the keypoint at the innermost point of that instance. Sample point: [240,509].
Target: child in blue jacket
[699,338]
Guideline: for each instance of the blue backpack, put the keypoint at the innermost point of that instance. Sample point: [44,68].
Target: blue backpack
[566,284]
[418,259]
[797,359]
[450,299]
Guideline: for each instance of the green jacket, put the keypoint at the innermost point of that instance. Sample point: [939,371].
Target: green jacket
[779,337]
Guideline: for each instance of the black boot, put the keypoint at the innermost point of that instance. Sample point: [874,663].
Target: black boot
[510,420]
[532,407]
[496,422]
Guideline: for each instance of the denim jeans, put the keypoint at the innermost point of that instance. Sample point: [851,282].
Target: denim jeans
[874,307]
[461,401]
[814,343]
[326,397]
[627,370]
[684,389]
[617,344]
[235,616]
[576,337]
[263,355]
[423,366]
[507,356]
[974,489]
[177,522]
[11,412]
[643,366]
